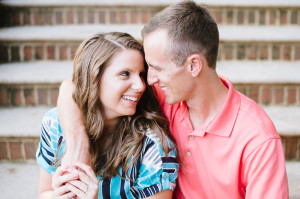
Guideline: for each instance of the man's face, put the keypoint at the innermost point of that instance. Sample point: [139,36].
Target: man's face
[172,79]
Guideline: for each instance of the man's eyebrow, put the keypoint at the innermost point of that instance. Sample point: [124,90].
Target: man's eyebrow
[153,66]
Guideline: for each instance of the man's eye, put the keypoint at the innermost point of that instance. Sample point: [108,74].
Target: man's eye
[124,74]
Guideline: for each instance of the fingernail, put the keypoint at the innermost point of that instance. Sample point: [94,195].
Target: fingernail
[74,162]
[66,167]
[75,167]
[67,184]
[76,176]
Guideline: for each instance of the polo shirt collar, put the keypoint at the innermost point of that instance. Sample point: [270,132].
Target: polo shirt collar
[223,123]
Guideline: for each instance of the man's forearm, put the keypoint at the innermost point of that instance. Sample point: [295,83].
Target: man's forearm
[72,125]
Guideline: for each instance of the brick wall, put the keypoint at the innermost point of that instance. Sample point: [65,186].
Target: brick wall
[18,149]
[26,95]
[23,149]
[138,15]
[23,52]
[263,94]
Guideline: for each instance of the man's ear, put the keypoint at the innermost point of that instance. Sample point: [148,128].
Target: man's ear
[195,64]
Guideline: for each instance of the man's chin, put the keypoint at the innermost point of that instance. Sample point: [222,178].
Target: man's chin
[171,101]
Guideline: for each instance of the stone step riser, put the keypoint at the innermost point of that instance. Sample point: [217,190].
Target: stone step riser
[262,16]
[277,51]
[37,95]
[30,95]
[23,149]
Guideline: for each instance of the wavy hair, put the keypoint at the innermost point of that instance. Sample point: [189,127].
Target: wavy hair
[121,148]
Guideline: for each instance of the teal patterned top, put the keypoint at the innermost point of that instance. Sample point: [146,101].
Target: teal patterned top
[151,173]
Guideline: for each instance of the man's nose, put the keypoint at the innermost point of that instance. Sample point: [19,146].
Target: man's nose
[152,76]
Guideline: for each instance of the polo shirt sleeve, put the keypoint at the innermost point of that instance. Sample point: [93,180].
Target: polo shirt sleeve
[158,171]
[265,173]
[51,138]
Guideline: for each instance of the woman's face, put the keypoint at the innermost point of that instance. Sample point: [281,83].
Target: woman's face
[122,84]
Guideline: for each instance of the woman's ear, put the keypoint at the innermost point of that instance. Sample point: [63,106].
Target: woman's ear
[195,64]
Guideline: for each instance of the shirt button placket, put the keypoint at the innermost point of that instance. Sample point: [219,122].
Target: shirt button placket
[191,137]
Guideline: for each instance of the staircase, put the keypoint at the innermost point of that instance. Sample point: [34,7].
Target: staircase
[259,52]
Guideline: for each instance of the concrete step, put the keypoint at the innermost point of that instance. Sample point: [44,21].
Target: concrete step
[80,32]
[31,43]
[26,121]
[32,12]
[20,130]
[37,83]
[17,184]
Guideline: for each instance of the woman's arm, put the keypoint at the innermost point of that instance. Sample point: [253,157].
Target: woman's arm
[72,126]
[45,185]
[165,194]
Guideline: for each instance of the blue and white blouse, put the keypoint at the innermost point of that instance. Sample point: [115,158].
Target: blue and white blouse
[152,172]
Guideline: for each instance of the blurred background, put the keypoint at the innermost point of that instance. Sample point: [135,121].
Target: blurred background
[259,52]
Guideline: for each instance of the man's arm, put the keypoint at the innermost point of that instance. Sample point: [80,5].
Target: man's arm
[72,126]
[265,173]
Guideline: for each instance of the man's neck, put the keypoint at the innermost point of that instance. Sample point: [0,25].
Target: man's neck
[208,98]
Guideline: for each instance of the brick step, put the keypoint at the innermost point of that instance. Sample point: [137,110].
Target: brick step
[34,83]
[31,43]
[20,129]
[37,83]
[230,12]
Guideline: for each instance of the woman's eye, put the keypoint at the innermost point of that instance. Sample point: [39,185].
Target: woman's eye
[124,74]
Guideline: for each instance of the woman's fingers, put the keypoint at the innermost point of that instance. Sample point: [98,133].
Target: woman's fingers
[63,192]
[78,192]
[79,184]
[58,181]
[88,170]
[60,171]
[87,184]
[69,195]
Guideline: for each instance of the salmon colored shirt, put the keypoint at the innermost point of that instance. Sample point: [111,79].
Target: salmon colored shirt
[237,155]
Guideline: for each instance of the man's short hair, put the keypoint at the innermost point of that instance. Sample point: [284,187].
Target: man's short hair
[190,28]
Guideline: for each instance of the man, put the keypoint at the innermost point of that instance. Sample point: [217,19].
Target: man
[229,147]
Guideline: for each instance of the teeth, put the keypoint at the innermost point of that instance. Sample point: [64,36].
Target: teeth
[130,98]
[164,88]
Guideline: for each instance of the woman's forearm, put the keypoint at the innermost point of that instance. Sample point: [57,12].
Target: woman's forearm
[46,195]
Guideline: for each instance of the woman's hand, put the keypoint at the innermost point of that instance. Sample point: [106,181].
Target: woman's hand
[87,185]
[59,180]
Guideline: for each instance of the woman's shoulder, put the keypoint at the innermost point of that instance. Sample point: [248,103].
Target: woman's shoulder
[51,125]
[153,140]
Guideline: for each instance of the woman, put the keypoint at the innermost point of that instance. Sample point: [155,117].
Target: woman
[130,145]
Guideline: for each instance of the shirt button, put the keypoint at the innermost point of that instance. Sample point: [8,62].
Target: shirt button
[192,137]
[189,153]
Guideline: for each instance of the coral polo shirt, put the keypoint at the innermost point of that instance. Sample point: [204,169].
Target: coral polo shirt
[237,155]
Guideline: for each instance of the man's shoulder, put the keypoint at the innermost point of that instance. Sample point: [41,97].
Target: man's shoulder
[254,117]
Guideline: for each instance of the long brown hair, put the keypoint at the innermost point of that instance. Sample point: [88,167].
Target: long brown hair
[114,150]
